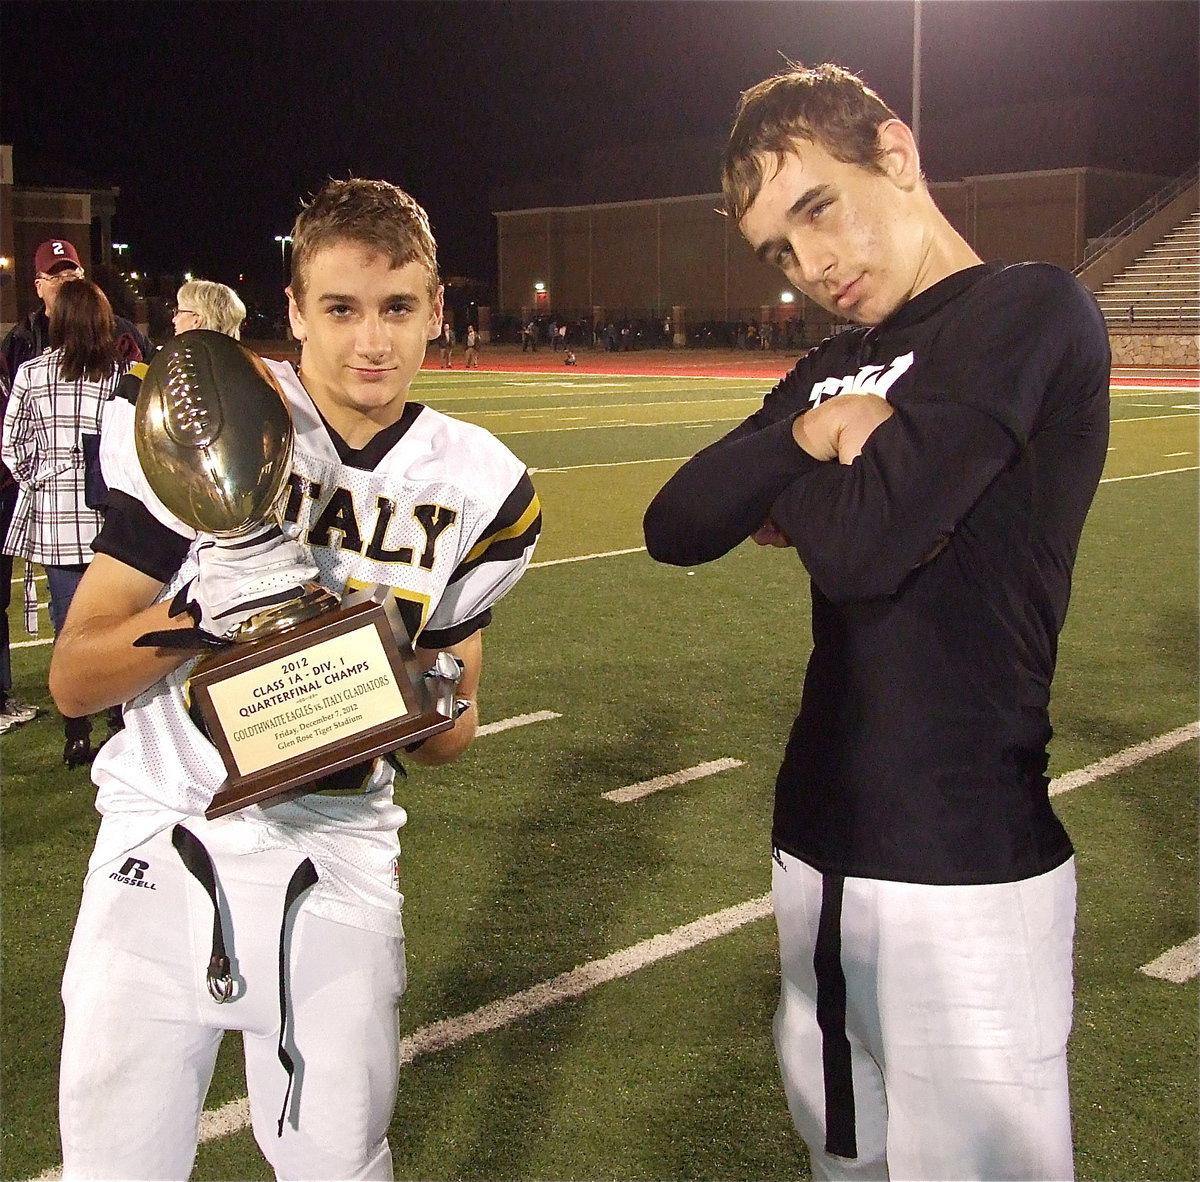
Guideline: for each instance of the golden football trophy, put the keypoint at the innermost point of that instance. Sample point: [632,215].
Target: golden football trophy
[309,687]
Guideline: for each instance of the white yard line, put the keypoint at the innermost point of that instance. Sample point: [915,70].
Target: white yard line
[626,463]
[709,422]
[440,1035]
[1177,965]
[587,557]
[671,780]
[1147,475]
[1141,391]
[507,724]
[1124,759]
[1149,419]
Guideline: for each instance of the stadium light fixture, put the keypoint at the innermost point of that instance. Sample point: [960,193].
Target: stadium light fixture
[120,247]
[787,297]
[539,286]
[283,240]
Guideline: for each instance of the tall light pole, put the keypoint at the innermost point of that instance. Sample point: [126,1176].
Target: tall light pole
[916,73]
[283,240]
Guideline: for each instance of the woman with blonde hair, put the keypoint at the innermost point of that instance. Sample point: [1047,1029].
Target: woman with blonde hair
[200,303]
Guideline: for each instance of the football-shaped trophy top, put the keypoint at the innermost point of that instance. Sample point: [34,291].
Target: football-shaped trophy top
[213,433]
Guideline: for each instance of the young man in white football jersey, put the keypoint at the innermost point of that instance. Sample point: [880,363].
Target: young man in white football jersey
[281,921]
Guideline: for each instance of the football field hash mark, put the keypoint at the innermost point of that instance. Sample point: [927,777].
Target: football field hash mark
[507,724]
[671,780]
[1177,965]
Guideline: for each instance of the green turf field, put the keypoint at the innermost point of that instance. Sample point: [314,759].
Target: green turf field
[517,869]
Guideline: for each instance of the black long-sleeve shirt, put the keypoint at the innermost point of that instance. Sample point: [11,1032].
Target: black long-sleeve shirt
[919,753]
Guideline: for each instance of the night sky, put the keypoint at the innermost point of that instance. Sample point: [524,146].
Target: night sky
[215,119]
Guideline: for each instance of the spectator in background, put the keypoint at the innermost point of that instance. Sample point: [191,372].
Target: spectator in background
[12,712]
[446,345]
[56,403]
[472,361]
[200,303]
[55,263]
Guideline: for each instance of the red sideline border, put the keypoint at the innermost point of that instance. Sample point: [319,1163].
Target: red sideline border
[767,367]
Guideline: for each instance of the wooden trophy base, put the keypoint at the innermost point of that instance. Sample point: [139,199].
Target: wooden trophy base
[336,690]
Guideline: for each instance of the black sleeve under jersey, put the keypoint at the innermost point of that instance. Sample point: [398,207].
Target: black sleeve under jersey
[1024,350]
[132,535]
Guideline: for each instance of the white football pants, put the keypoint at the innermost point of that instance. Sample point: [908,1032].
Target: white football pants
[922,1030]
[142,1030]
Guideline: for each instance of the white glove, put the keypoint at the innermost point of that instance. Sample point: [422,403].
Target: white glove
[239,577]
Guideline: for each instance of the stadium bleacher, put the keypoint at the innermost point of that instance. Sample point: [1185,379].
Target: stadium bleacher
[1161,288]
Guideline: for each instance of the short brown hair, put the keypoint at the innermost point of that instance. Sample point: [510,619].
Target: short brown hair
[373,214]
[826,105]
[82,325]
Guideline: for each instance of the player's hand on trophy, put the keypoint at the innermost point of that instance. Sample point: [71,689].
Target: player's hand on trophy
[240,577]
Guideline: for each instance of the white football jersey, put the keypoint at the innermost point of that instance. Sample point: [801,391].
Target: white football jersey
[440,511]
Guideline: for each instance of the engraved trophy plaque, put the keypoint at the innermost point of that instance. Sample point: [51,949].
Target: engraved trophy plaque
[307,688]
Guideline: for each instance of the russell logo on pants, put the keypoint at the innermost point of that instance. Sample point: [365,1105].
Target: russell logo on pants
[133,874]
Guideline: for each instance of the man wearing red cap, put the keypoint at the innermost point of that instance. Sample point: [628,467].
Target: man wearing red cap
[55,262]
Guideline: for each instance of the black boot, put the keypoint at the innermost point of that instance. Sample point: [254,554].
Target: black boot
[115,719]
[77,750]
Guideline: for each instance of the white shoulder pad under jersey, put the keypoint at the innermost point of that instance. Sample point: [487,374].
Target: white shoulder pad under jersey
[119,459]
[447,516]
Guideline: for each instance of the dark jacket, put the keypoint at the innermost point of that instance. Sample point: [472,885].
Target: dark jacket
[31,338]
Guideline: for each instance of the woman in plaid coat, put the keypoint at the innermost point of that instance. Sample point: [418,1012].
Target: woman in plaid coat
[56,404]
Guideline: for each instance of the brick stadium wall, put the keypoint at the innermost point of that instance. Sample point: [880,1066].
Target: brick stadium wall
[657,254]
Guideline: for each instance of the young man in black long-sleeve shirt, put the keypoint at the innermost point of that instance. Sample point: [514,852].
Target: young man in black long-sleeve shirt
[932,468]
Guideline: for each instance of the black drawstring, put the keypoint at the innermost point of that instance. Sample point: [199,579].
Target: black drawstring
[304,876]
[195,858]
[220,981]
[840,1135]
